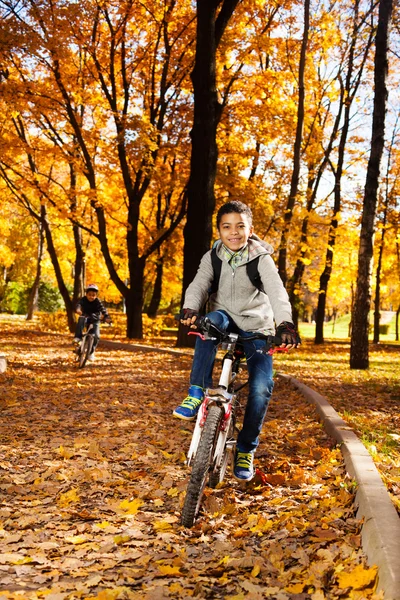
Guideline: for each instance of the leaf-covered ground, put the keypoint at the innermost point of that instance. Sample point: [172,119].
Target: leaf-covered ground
[369,400]
[93,476]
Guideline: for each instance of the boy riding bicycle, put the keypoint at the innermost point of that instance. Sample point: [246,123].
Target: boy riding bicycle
[238,305]
[90,306]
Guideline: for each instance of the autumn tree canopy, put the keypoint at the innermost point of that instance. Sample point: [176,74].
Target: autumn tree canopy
[97,120]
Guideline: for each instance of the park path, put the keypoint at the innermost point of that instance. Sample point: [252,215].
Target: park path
[92,478]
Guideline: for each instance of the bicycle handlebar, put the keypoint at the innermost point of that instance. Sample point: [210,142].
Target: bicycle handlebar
[204,325]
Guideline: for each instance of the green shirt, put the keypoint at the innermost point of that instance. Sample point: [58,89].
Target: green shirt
[235,258]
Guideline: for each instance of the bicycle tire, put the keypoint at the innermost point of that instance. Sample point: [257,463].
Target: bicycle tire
[86,348]
[201,466]
[218,475]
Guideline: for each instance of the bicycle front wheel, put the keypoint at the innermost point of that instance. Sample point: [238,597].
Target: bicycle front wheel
[217,474]
[86,349]
[202,465]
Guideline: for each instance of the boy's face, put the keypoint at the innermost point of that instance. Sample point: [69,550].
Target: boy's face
[91,295]
[234,230]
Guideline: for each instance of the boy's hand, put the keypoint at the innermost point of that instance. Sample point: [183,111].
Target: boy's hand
[78,311]
[288,334]
[189,317]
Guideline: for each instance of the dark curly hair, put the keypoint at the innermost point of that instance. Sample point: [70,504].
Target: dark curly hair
[234,206]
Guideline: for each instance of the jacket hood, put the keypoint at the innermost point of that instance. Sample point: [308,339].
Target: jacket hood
[260,245]
[256,245]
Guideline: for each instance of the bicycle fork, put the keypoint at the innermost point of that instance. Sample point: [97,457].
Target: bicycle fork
[224,399]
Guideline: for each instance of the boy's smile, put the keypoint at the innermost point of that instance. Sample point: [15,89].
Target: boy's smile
[234,230]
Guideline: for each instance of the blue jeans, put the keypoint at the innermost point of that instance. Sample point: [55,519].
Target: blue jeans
[260,372]
[95,330]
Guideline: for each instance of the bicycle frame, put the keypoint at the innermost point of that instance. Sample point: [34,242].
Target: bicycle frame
[83,350]
[224,397]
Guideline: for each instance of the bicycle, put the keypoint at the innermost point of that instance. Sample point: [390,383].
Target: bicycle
[85,347]
[214,436]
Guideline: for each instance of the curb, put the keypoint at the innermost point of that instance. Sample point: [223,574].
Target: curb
[141,347]
[380,531]
[3,363]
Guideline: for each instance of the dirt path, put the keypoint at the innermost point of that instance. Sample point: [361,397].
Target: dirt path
[92,478]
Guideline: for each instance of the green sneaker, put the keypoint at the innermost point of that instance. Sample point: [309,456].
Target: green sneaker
[188,409]
[243,469]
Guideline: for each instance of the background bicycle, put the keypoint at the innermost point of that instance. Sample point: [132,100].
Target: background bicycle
[90,336]
[214,437]
[85,347]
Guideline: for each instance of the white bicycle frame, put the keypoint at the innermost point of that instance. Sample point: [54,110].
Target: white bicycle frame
[223,398]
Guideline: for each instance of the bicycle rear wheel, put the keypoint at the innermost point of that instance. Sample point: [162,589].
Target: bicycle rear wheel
[201,466]
[85,350]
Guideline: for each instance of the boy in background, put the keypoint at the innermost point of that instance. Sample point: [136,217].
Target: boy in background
[92,307]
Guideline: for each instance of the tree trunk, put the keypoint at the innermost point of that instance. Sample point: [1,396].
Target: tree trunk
[377,300]
[294,184]
[157,290]
[295,281]
[359,351]
[347,98]
[79,265]
[34,293]
[60,281]
[207,113]
[134,300]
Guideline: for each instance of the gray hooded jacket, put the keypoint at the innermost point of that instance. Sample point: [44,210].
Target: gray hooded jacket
[251,309]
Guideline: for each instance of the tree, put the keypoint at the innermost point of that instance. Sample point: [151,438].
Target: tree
[111,108]
[211,25]
[34,293]
[359,350]
[294,184]
[349,88]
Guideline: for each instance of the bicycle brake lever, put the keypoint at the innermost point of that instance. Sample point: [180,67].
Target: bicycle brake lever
[271,351]
[200,335]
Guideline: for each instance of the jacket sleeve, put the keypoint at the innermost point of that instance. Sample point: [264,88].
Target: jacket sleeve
[79,305]
[197,292]
[103,310]
[275,290]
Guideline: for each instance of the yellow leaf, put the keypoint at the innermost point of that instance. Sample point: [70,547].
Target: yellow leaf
[262,526]
[68,498]
[76,539]
[111,594]
[176,588]
[295,588]
[23,561]
[132,507]
[162,525]
[256,570]
[359,578]
[158,502]
[173,492]
[168,570]
[102,525]
[121,539]
[14,558]
[65,452]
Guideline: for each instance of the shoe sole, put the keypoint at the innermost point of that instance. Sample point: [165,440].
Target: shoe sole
[178,416]
[242,479]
